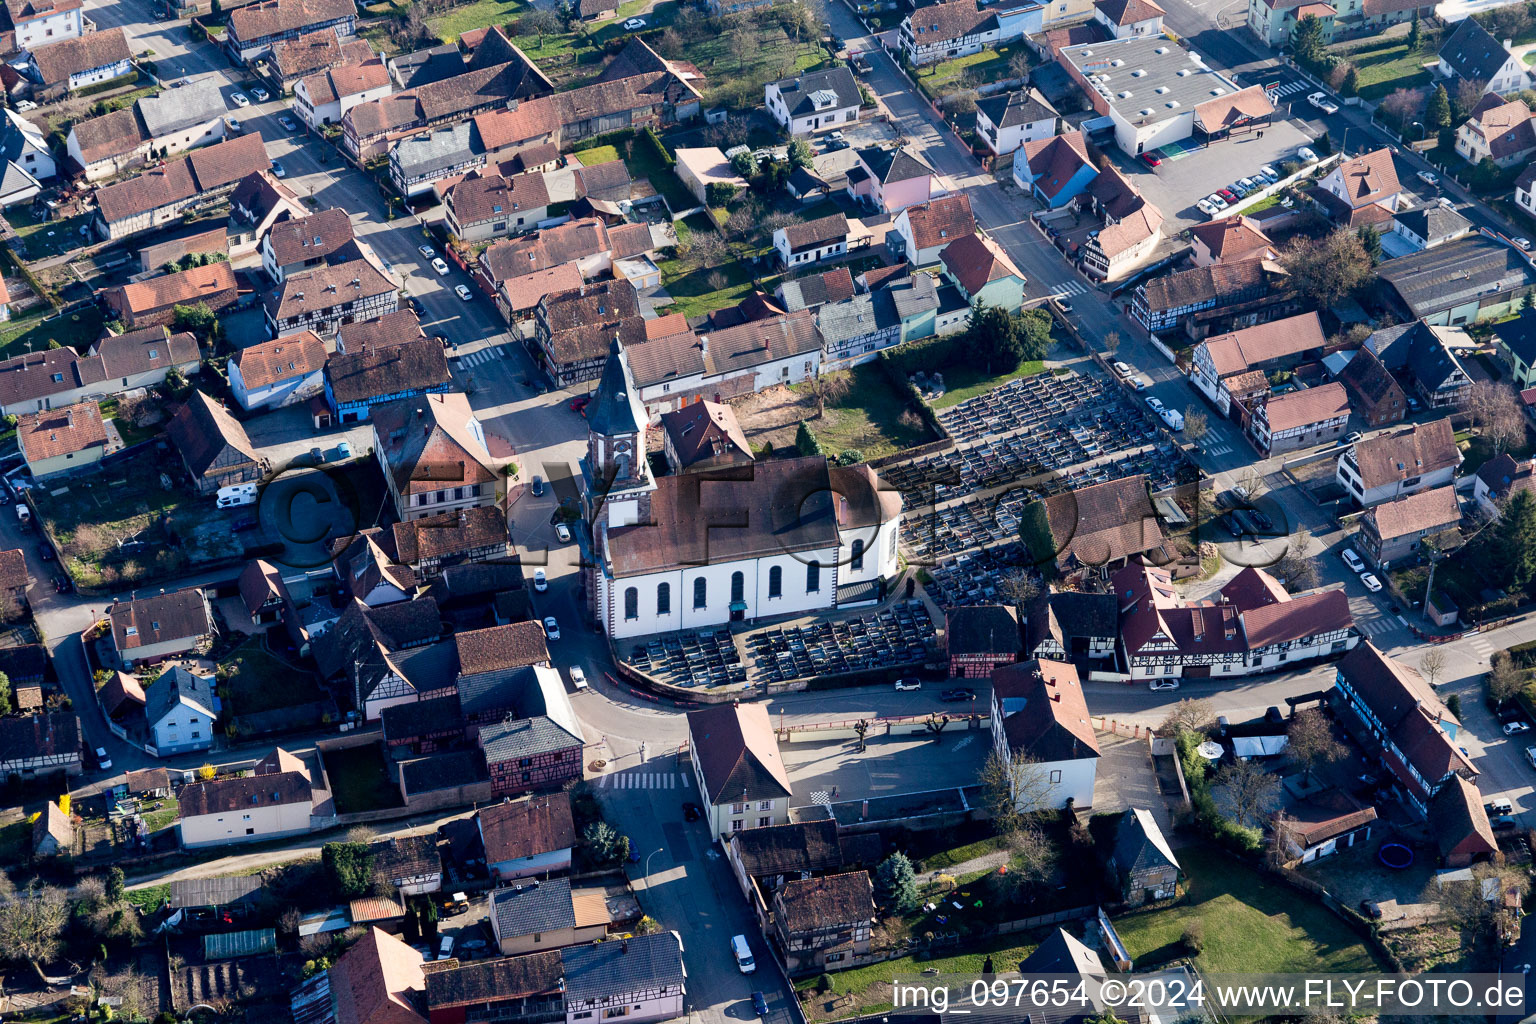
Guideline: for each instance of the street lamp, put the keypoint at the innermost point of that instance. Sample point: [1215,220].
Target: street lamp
[1420,126]
[647,873]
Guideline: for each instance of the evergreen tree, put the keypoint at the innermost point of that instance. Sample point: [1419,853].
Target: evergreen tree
[896,884]
[1351,86]
[805,440]
[1515,552]
[1370,241]
[800,154]
[1437,115]
[1307,41]
[115,882]
[410,928]
[1415,34]
[995,337]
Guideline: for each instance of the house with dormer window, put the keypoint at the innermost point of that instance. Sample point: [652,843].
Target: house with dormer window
[146,630]
[814,101]
[946,30]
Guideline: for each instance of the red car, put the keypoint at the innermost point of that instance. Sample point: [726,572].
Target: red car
[579,403]
[1152,159]
[1227,194]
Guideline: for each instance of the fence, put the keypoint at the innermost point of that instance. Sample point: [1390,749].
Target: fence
[1024,924]
[897,725]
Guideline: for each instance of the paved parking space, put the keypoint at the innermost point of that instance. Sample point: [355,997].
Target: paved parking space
[1178,183]
[890,766]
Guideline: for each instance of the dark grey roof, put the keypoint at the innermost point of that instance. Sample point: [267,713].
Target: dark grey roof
[890,165]
[1015,108]
[1416,349]
[1472,53]
[1518,335]
[1086,615]
[1465,270]
[1434,221]
[214,892]
[426,66]
[525,737]
[422,717]
[1060,953]
[16,178]
[427,668]
[173,687]
[174,109]
[853,318]
[1140,843]
[442,771]
[533,908]
[913,295]
[615,408]
[635,965]
[798,92]
[487,692]
[445,147]
[982,629]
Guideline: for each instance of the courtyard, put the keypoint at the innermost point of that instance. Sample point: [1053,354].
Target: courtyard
[890,766]
[1191,175]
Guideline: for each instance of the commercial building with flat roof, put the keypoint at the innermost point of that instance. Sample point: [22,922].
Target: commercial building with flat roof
[1158,93]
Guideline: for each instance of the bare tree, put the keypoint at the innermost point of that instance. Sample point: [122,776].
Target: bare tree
[1247,792]
[742,46]
[1494,409]
[1504,677]
[861,729]
[1311,743]
[1031,855]
[936,724]
[31,921]
[1111,341]
[1432,664]
[1298,565]
[1191,714]
[1020,588]
[141,998]
[829,387]
[1252,481]
[363,834]
[1196,425]
[1012,788]
[1019,64]
[539,22]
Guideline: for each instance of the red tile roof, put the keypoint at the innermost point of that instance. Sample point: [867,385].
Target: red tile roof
[60,431]
[293,355]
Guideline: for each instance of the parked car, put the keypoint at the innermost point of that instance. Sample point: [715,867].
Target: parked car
[463,292]
[551,627]
[1217,200]
[1306,155]
[1503,823]
[439,266]
[836,145]
[957,694]
[1122,368]
[1371,582]
[103,762]
[1371,909]
[45,552]
[1270,173]
[62,585]
[288,123]
[1227,195]
[25,105]
[908,683]
[538,485]
[240,99]
[540,581]
[759,1004]
[1353,436]
[415,304]
[1140,384]
[1155,404]
[1515,728]
[1523,243]
[692,812]
[1323,103]
[1206,207]
[1066,307]
[234,125]
[578,677]
[277,169]
[1239,189]
[427,251]
[1430,178]
[1352,560]
[634,24]
[1152,158]
[1163,684]
[260,93]
[563,532]
[1500,806]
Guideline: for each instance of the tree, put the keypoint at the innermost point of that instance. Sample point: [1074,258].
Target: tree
[1513,550]
[719,194]
[1307,40]
[1432,664]
[1020,588]
[602,842]
[1019,64]
[198,319]
[1437,114]
[115,885]
[5,697]
[992,334]
[539,22]
[410,928]
[1495,409]
[1246,792]
[861,729]
[741,47]
[1325,270]
[1351,85]
[1011,788]
[349,869]
[1504,678]
[1297,565]
[1034,327]
[1400,106]
[207,772]
[829,387]
[1370,241]
[1415,34]
[805,440]
[800,154]
[31,922]
[1310,742]
[1195,423]
[935,724]
[1111,341]
[896,884]
[743,164]
[1191,714]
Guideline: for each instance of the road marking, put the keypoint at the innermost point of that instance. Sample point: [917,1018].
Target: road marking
[485,355]
[1220,449]
[1071,288]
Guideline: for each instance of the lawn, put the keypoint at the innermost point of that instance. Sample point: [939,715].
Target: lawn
[961,854]
[258,681]
[643,163]
[15,841]
[166,813]
[980,68]
[966,382]
[1252,925]
[150,897]
[771,55]
[481,14]
[43,239]
[36,328]
[869,988]
[130,434]
[360,779]
[869,420]
[1387,67]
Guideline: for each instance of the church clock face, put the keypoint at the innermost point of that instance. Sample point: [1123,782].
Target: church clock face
[621,447]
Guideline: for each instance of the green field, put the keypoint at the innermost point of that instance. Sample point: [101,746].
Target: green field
[360,779]
[986,66]
[33,331]
[1390,66]
[869,419]
[258,681]
[1252,925]
[965,382]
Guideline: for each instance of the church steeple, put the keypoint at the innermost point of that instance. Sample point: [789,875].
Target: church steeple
[615,472]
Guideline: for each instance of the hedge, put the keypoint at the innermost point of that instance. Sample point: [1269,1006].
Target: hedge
[115,83]
[660,147]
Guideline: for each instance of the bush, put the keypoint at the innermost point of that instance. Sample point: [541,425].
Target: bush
[650,137]
[1194,937]
[805,440]
[824,983]
[849,457]
[719,194]
[114,83]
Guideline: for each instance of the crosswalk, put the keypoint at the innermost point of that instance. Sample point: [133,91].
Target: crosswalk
[1379,625]
[1220,448]
[1071,288]
[485,355]
[1285,90]
[1484,647]
[643,780]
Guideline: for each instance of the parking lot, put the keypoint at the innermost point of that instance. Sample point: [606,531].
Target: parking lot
[889,766]
[1181,180]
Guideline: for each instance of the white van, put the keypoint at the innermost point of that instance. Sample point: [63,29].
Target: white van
[1173,418]
[743,954]
[445,948]
[578,677]
[236,495]
[23,513]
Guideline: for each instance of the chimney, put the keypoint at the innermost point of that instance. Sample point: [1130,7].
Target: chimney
[704,346]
